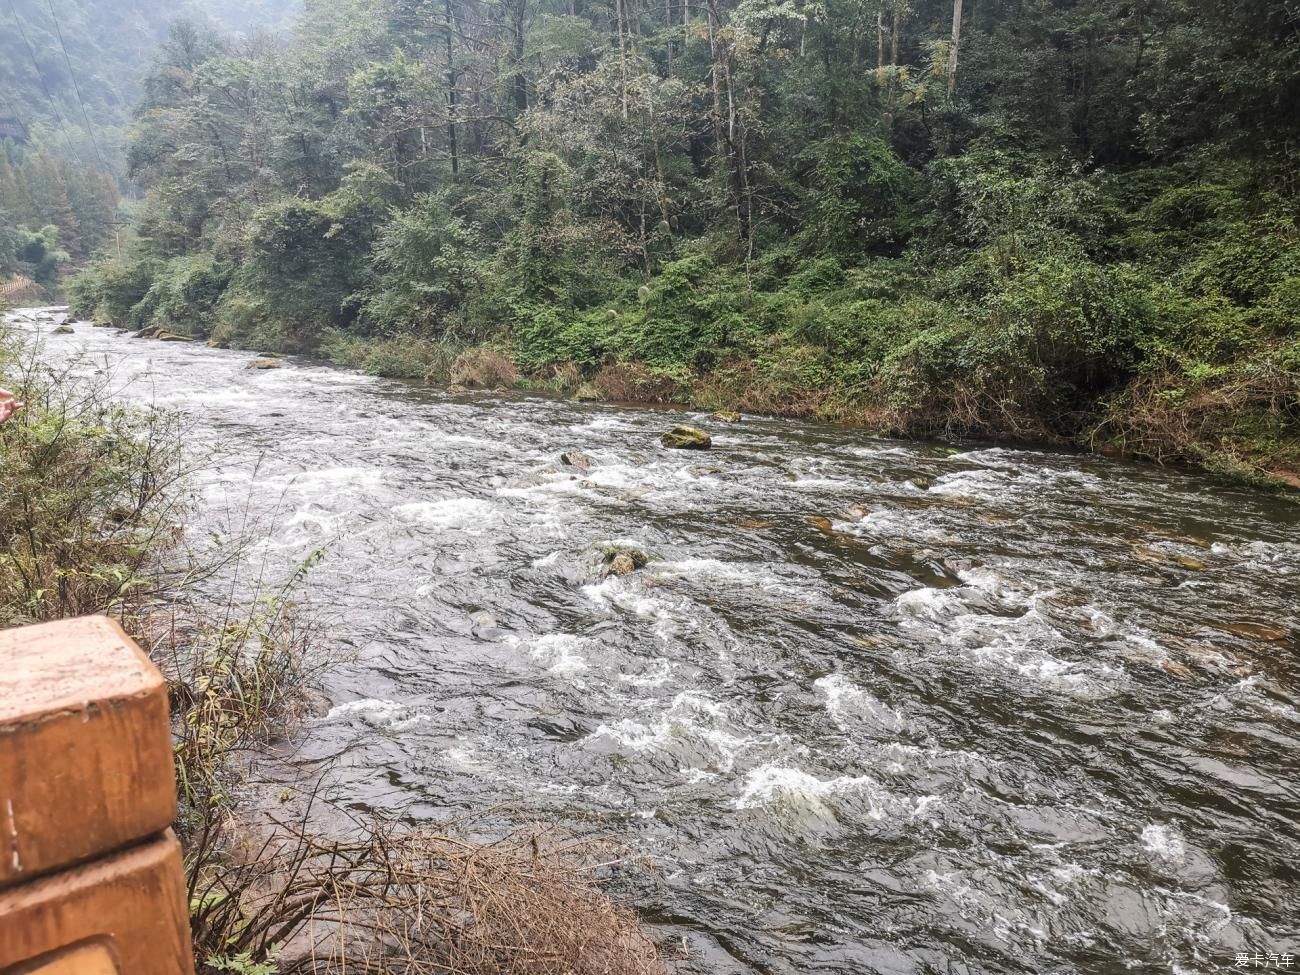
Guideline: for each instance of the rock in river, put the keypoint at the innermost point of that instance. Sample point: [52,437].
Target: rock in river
[727,416]
[622,565]
[686,438]
[576,458]
[63,330]
[265,362]
[623,560]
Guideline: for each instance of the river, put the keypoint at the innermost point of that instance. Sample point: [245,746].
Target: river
[873,706]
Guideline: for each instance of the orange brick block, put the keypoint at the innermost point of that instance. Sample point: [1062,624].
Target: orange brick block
[129,910]
[85,747]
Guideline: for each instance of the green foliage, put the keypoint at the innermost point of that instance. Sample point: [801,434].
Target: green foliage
[37,253]
[1056,335]
[859,196]
[242,964]
[89,498]
[109,291]
[1011,207]
[184,295]
[427,260]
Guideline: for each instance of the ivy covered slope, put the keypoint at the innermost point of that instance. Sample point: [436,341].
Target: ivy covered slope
[1064,222]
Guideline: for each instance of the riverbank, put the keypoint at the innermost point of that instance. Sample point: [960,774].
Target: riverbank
[1240,423]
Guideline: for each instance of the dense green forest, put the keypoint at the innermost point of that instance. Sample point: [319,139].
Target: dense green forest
[1041,219]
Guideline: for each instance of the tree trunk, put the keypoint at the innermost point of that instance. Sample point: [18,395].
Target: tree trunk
[518,83]
[622,49]
[451,95]
[953,48]
[730,140]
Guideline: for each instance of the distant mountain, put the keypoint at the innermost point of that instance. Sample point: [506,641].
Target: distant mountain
[70,65]
[71,78]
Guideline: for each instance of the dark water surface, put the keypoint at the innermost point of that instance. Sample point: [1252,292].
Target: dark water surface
[873,707]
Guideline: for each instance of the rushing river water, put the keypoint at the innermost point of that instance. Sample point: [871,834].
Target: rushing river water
[873,707]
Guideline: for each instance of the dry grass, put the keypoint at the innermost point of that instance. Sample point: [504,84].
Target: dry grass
[961,409]
[1228,424]
[747,387]
[414,902]
[485,368]
[634,382]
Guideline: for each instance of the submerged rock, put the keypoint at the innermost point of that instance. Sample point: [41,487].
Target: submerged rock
[63,330]
[686,438]
[575,458]
[455,389]
[265,362]
[822,524]
[1257,631]
[727,416]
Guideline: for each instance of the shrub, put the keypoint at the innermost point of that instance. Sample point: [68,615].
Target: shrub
[405,357]
[427,260]
[484,367]
[631,382]
[1055,336]
[110,290]
[858,195]
[546,335]
[184,295]
[91,499]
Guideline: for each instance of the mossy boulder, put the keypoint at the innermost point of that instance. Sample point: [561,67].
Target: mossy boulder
[623,560]
[622,565]
[686,438]
[727,416]
[456,389]
[63,330]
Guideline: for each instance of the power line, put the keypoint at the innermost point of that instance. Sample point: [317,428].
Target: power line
[85,116]
[49,97]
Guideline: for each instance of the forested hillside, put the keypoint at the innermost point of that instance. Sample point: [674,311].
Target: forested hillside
[1045,220]
[71,77]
